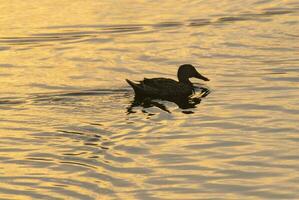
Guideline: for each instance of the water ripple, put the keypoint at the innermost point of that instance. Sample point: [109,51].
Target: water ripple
[71,129]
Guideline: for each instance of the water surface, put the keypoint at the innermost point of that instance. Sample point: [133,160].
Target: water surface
[67,128]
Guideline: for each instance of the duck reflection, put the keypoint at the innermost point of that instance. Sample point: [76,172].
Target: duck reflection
[182,103]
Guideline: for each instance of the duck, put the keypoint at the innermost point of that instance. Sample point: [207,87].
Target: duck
[166,88]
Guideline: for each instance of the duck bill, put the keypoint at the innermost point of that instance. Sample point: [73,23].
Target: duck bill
[199,76]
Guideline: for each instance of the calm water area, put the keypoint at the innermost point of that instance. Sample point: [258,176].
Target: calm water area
[69,128]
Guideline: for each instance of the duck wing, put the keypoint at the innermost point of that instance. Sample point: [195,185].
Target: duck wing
[166,87]
[159,83]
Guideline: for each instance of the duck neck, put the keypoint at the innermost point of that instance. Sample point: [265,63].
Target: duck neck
[184,80]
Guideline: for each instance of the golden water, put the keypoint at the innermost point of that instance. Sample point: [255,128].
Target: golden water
[65,129]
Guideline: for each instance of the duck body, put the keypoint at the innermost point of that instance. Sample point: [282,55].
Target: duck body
[168,89]
[163,88]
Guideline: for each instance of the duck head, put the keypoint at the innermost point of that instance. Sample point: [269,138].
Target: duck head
[187,71]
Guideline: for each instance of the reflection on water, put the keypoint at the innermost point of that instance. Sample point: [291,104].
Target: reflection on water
[72,129]
[183,103]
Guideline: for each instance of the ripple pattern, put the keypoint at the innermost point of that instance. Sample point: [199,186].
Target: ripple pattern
[69,128]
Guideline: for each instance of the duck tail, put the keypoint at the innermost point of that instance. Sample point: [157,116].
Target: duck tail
[131,83]
[136,87]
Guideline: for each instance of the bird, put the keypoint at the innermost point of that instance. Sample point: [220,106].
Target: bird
[168,89]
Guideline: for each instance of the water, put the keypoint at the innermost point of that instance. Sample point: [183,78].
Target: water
[68,130]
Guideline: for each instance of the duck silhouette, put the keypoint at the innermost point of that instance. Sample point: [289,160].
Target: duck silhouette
[169,89]
[165,88]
